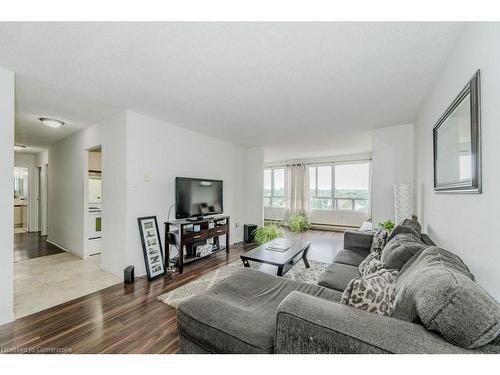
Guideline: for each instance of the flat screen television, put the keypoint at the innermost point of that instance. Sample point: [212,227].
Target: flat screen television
[196,197]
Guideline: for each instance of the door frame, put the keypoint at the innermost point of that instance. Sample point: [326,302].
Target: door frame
[43,199]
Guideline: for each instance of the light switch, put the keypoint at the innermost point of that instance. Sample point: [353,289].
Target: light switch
[147,177]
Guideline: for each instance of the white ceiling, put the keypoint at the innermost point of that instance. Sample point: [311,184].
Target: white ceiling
[286,85]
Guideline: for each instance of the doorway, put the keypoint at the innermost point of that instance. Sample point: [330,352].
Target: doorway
[93,199]
[21,199]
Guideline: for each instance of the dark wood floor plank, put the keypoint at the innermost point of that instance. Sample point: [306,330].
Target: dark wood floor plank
[32,245]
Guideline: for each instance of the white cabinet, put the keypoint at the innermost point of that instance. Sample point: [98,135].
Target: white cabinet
[95,190]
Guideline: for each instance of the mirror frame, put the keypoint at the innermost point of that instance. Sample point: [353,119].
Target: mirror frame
[474,186]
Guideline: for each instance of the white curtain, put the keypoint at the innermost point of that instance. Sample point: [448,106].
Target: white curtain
[298,188]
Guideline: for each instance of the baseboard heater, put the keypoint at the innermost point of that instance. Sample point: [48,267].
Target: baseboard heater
[332,227]
[320,226]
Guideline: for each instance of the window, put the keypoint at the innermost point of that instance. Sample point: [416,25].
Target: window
[274,187]
[351,187]
[320,183]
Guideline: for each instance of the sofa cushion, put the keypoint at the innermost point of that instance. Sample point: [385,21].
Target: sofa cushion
[350,257]
[238,314]
[437,289]
[402,229]
[374,293]
[400,250]
[407,226]
[336,276]
[413,224]
[357,240]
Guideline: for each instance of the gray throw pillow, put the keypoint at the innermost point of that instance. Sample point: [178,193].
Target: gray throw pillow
[412,224]
[437,289]
[403,229]
[373,293]
[379,241]
[400,250]
[370,264]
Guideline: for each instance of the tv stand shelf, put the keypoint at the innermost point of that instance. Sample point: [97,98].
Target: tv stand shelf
[182,233]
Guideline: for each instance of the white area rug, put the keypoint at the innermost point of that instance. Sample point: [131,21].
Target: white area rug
[298,272]
[48,281]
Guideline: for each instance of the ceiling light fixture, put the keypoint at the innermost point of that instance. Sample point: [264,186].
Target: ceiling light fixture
[51,123]
[19,147]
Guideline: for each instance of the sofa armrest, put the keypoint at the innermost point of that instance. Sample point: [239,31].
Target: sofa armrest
[356,240]
[427,240]
[308,324]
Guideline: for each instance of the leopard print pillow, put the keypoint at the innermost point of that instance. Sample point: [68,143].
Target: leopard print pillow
[366,261]
[371,264]
[373,293]
[379,240]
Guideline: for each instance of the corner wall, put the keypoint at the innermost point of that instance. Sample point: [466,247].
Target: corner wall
[6,196]
[466,224]
[67,210]
[141,157]
[392,163]
[159,152]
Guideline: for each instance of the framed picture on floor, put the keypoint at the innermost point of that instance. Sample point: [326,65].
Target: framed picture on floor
[151,246]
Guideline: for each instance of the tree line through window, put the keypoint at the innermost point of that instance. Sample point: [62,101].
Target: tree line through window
[274,187]
[343,187]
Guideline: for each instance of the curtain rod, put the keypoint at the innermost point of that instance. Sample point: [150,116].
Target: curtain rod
[347,158]
[287,164]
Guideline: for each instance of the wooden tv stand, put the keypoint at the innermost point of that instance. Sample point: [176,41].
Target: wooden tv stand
[186,239]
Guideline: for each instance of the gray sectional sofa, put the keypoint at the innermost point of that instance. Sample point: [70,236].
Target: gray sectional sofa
[438,309]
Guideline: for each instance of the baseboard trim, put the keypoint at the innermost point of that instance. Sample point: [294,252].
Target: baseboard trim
[7,318]
[58,245]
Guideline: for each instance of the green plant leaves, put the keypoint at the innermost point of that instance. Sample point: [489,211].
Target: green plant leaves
[388,225]
[267,232]
[298,223]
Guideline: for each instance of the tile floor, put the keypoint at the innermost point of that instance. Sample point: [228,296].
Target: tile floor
[48,281]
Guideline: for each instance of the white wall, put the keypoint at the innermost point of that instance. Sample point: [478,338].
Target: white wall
[135,147]
[392,162]
[24,160]
[254,196]
[163,152]
[42,158]
[6,196]
[466,223]
[67,210]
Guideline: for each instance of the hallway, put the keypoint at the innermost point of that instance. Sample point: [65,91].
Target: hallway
[32,245]
[46,276]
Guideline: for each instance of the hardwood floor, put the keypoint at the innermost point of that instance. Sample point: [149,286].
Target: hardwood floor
[32,245]
[123,318]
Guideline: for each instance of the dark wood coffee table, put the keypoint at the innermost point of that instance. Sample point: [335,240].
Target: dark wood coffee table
[284,260]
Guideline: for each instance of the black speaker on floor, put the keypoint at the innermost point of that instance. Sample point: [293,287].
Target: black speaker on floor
[128,275]
[248,234]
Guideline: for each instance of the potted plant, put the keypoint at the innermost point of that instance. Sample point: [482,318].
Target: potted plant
[299,223]
[267,232]
[388,225]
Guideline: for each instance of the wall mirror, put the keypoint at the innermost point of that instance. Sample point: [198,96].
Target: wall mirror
[457,143]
